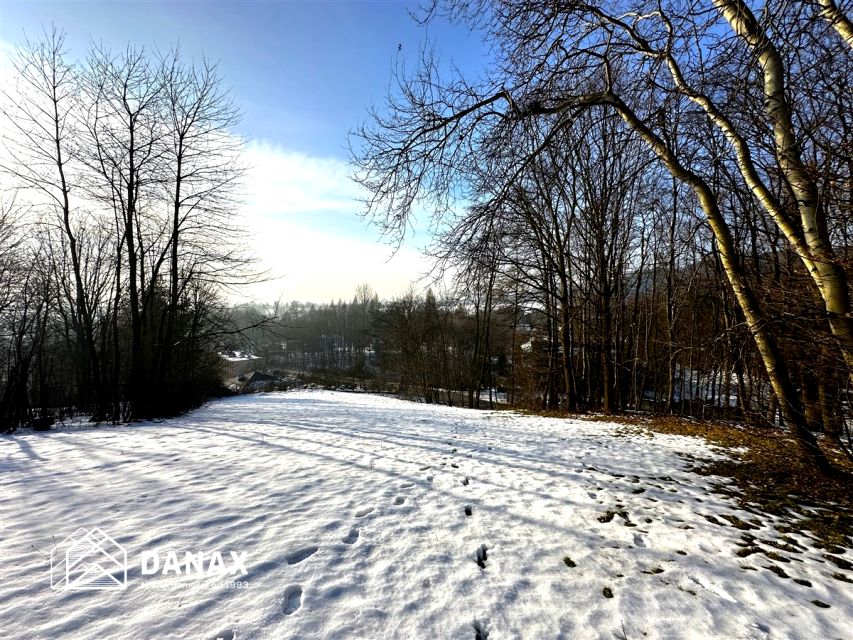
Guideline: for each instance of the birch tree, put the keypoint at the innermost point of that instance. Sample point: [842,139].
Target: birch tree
[644,61]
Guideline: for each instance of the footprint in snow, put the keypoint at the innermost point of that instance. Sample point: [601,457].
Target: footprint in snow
[363,512]
[638,540]
[303,554]
[292,599]
[480,632]
[351,537]
[481,556]
[399,500]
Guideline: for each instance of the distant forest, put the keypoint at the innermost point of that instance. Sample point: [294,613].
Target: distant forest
[672,344]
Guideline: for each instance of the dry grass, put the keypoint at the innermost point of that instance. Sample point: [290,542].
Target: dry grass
[769,474]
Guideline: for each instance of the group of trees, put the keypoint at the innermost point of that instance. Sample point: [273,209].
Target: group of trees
[643,204]
[307,337]
[667,182]
[119,175]
[437,350]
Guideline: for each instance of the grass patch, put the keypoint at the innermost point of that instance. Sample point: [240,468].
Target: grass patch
[778,557]
[770,476]
[779,571]
[608,515]
[768,472]
[737,523]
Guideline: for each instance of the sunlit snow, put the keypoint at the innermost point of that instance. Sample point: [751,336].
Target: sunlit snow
[359,516]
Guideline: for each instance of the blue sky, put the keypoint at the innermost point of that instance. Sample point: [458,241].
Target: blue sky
[304,73]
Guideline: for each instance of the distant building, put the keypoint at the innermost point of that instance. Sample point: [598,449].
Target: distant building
[238,363]
[259,381]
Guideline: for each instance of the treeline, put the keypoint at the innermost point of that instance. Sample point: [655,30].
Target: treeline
[437,350]
[119,175]
[668,184]
[677,344]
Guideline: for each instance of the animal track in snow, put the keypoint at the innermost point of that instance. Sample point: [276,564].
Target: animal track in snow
[303,554]
[480,632]
[638,540]
[399,500]
[482,556]
[351,537]
[292,599]
[363,512]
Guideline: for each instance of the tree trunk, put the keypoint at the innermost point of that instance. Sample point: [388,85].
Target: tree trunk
[777,371]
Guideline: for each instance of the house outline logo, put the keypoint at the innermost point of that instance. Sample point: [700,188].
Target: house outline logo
[88,560]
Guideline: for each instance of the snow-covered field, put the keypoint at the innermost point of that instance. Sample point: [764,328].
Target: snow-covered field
[350,515]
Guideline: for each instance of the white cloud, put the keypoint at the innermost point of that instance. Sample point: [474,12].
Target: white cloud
[283,182]
[317,266]
[301,214]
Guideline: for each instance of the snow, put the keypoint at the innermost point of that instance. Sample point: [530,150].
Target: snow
[493,395]
[349,511]
[239,356]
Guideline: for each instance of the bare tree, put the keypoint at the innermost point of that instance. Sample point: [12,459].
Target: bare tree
[129,166]
[640,60]
[202,172]
[39,154]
